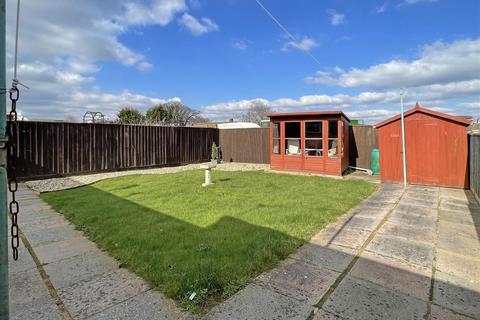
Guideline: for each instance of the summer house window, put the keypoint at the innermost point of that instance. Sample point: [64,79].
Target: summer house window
[293,138]
[314,138]
[276,138]
[333,138]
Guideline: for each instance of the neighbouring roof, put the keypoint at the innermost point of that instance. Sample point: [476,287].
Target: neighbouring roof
[419,108]
[237,125]
[308,114]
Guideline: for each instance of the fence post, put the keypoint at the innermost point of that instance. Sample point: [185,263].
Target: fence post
[4,302]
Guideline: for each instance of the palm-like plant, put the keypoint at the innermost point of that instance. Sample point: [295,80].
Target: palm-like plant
[130,115]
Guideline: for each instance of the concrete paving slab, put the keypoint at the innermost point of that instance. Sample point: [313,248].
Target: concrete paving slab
[393,275]
[56,251]
[24,262]
[29,217]
[90,297]
[469,202]
[357,299]
[146,305]
[460,217]
[457,294]
[299,280]
[427,190]
[440,313]
[419,201]
[38,237]
[34,202]
[347,237]
[25,287]
[332,257]
[458,265]
[362,223]
[376,206]
[257,302]
[418,210]
[458,194]
[460,206]
[416,253]
[416,233]
[368,212]
[389,197]
[324,315]
[51,222]
[82,267]
[413,219]
[469,231]
[43,308]
[456,243]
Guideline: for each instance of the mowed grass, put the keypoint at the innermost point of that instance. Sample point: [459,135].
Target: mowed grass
[184,238]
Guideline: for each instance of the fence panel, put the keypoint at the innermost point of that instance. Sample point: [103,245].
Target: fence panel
[362,139]
[57,149]
[475,164]
[245,145]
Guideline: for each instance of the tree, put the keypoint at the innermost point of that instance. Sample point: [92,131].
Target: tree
[256,113]
[129,115]
[178,114]
[156,114]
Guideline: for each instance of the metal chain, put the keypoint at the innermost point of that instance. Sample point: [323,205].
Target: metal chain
[13,207]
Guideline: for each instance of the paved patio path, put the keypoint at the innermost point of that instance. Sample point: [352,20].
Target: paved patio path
[412,255]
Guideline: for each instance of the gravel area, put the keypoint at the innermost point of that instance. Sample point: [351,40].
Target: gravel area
[56,184]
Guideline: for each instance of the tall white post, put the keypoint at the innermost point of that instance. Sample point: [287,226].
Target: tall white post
[404,156]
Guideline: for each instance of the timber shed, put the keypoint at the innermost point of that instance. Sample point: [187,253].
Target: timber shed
[315,142]
[436,148]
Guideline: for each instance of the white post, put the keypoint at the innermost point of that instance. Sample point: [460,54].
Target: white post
[404,159]
[208,175]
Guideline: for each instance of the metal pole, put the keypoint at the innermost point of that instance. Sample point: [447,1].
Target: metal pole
[4,302]
[404,157]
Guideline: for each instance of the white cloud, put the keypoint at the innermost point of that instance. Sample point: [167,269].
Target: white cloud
[62,48]
[159,12]
[336,18]
[198,27]
[438,63]
[381,8]
[470,105]
[239,44]
[372,115]
[363,105]
[306,44]
[410,2]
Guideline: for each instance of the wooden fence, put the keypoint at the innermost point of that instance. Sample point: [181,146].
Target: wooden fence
[245,145]
[59,149]
[363,139]
[474,142]
[47,149]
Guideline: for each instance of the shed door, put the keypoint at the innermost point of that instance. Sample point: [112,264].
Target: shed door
[423,138]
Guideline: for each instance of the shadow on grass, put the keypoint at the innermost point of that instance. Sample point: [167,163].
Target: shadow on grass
[216,261]
[175,256]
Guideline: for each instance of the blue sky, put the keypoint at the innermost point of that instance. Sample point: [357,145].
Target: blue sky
[222,57]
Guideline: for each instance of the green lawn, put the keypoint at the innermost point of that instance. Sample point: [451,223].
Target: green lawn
[184,238]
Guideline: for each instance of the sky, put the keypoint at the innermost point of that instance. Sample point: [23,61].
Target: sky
[222,57]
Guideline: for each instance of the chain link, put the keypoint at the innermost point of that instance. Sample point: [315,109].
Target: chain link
[13,207]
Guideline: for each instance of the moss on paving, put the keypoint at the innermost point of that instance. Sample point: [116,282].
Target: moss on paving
[184,238]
